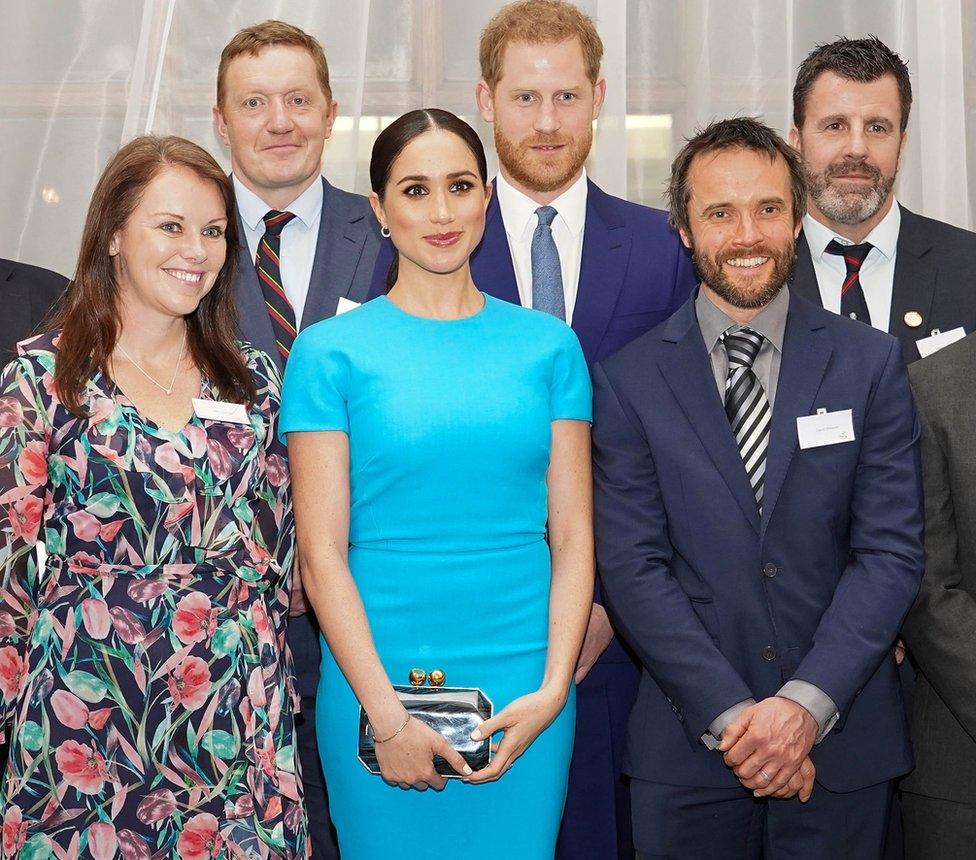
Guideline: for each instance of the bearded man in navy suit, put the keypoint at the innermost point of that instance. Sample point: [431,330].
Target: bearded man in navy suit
[759,533]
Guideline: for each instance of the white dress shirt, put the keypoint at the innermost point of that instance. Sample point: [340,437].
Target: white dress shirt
[520,220]
[877,274]
[298,238]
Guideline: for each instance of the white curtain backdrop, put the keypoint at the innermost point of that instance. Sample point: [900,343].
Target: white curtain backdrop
[80,77]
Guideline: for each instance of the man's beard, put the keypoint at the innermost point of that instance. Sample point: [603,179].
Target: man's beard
[538,173]
[855,205]
[713,275]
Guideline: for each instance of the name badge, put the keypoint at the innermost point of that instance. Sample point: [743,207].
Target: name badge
[219,410]
[825,428]
[345,305]
[938,340]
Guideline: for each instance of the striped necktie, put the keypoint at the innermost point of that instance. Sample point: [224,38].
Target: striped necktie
[852,301]
[747,406]
[268,265]
[547,273]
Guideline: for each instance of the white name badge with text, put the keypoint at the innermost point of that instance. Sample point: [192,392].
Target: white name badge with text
[825,428]
[939,339]
[220,410]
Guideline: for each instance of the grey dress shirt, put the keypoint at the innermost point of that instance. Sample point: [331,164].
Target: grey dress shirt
[770,322]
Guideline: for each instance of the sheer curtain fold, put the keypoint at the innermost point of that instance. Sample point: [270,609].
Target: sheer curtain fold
[78,79]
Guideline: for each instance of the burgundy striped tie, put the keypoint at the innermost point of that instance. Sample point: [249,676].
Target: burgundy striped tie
[268,266]
[852,302]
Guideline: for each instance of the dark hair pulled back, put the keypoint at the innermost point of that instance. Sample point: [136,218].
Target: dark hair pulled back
[402,131]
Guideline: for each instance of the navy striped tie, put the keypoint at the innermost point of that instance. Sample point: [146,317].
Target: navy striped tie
[268,266]
[747,406]
[852,301]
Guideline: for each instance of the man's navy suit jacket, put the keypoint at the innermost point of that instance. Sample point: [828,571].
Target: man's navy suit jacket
[721,604]
[935,276]
[634,273]
[345,254]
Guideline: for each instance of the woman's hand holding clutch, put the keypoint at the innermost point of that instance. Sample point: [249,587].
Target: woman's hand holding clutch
[407,759]
[522,722]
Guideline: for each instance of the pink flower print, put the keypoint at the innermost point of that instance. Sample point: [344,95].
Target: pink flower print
[189,685]
[11,413]
[276,469]
[197,438]
[241,437]
[83,767]
[167,457]
[12,667]
[14,831]
[194,619]
[259,615]
[267,755]
[94,615]
[200,839]
[109,530]
[33,462]
[69,709]
[98,719]
[155,806]
[86,526]
[219,460]
[102,841]
[25,518]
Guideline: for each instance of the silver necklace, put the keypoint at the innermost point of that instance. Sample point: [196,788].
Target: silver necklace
[137,366]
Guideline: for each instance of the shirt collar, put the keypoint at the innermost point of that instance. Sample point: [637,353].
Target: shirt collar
[307,207]
[518,209]
[884,236]
[770,322]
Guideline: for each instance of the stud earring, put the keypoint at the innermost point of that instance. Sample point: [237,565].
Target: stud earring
[385,232]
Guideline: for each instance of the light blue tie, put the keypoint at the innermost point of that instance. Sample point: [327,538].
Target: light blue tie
[547,274]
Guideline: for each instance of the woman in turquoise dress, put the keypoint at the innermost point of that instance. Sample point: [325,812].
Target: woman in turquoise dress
[436,437]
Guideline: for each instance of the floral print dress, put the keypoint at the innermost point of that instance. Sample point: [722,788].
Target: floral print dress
[145,682]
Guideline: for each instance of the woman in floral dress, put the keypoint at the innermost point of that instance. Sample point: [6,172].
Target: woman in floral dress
[144,677]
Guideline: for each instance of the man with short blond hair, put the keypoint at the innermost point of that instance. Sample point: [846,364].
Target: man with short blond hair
[308,247]
[555,241]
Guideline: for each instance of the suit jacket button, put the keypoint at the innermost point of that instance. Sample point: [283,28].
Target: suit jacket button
[769,653]
[770,569]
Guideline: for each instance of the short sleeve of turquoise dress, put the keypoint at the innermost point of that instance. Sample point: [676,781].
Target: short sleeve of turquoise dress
[449,425]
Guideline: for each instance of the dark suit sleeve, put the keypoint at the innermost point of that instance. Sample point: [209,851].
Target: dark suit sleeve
[881,579]
[651,609]
[941,627]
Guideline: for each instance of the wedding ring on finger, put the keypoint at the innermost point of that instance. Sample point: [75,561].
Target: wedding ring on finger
[765,777]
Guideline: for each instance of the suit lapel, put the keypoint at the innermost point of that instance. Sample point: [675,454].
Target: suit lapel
[688,373]
[338,249]
[491,263]
[914,284]
[255,323]
[806,352]
[804,283]
[603,264]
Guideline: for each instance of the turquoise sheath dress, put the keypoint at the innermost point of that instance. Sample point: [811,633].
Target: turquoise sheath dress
[449,427]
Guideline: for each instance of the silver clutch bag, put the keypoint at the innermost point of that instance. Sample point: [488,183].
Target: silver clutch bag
[453,712]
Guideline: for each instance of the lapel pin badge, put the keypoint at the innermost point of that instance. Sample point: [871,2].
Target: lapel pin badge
[913,319]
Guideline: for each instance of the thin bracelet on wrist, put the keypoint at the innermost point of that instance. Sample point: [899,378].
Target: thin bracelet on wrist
[377,740]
